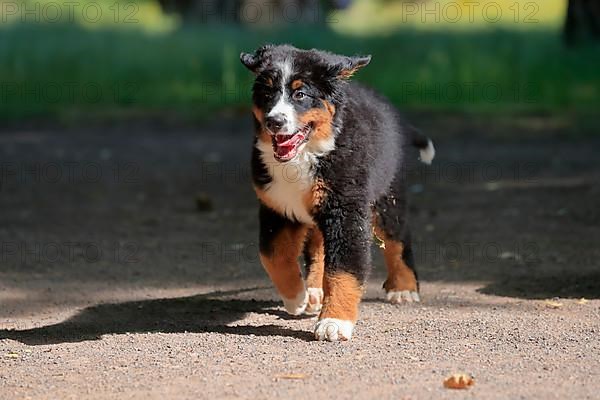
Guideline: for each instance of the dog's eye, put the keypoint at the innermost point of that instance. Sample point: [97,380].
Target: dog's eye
[298,95]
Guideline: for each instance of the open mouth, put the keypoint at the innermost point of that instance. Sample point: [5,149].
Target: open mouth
[285,146]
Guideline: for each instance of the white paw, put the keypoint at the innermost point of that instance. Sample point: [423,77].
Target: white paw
[333,329]
[403,296]
[315,300]
[298,305]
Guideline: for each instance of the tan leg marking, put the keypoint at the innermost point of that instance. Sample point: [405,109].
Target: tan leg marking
[314,278]
[282,264]
[317,259]
[342,296]
[400,276]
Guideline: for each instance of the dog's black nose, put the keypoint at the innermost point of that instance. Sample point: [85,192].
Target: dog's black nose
[275,123]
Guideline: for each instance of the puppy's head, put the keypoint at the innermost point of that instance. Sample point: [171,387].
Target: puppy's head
[296,94]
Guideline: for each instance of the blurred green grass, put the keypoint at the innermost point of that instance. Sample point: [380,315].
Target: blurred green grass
[68,71]
[383,16]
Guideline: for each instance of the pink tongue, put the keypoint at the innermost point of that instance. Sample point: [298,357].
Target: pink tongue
[282,138]
[284,147]
[284,150]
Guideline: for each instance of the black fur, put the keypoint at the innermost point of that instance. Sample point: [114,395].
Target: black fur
[359,172]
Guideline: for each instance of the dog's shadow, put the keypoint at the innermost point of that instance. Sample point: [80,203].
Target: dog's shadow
[201,313]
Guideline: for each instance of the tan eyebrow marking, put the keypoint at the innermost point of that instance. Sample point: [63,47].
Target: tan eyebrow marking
[297,84]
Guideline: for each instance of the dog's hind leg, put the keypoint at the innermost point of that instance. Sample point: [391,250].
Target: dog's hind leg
[390,227]
[280,243]
[314,256]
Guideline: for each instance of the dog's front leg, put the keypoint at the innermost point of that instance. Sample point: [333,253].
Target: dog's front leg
[281,242]
[346,234]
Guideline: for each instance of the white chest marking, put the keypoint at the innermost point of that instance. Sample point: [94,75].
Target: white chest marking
[291,182]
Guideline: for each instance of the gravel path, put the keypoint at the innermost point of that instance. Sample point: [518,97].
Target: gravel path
[134,273]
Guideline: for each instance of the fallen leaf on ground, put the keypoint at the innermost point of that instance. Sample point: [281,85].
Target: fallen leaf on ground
[459,381]
[553,304]
[583,301]
[291,376]
[12,355]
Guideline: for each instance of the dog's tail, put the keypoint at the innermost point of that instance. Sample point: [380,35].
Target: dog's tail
[424,144]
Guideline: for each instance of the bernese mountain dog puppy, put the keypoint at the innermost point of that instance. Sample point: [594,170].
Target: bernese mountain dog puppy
[329,168]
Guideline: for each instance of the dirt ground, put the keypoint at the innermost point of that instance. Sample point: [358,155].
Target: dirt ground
[129,270]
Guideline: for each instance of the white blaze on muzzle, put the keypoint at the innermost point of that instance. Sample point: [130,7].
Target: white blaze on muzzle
[283,107]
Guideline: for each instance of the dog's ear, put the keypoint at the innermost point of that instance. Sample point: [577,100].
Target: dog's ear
[250,61]
[254,61]
[349,65]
